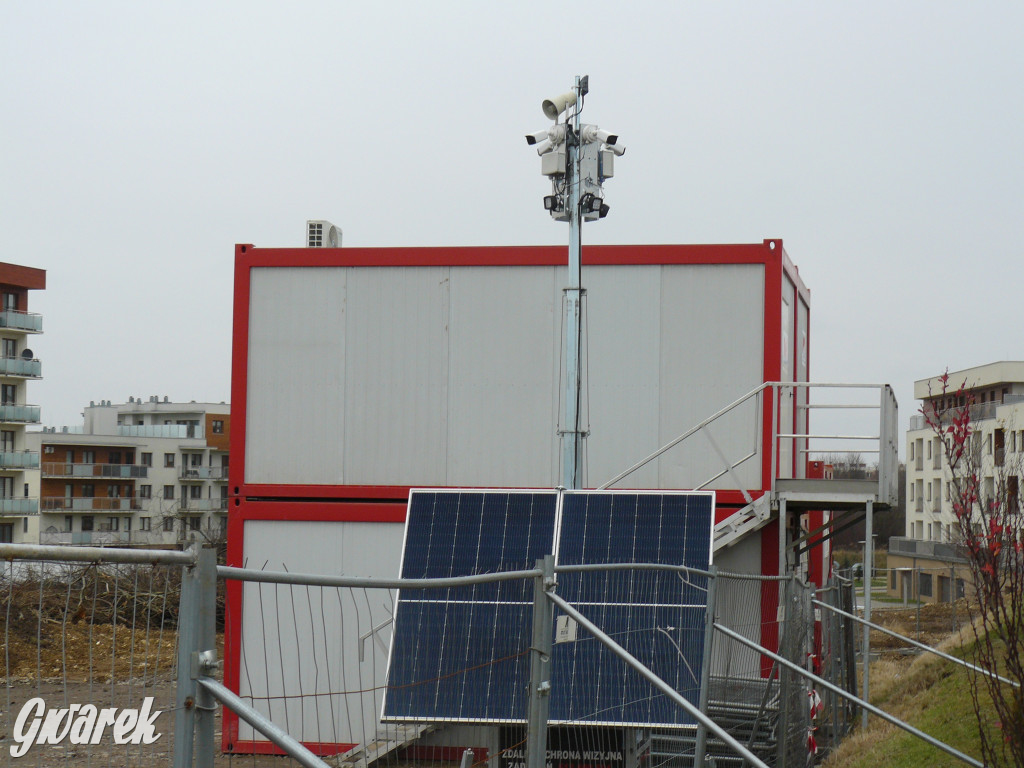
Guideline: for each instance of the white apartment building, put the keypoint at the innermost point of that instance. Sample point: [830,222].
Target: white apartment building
[997,417]
[145,473]
[19,509]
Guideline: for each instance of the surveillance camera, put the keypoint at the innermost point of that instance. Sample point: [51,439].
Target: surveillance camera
[617,149]
[591,133]
[555,135]
[544,147]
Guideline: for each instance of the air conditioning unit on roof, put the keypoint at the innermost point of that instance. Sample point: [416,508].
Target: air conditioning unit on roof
[322,234]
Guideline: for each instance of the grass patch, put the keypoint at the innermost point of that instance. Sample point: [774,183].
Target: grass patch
[929,693]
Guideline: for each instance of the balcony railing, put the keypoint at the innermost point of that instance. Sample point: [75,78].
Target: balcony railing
[22,321]
[204,473]
[160,430]
[89,504]
[118,471]
[19,460]
[203,505]
[19,414]
[19,506]
[19,366]
[106,538]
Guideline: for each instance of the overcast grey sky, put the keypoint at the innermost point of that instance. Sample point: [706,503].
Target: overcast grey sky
[883,142]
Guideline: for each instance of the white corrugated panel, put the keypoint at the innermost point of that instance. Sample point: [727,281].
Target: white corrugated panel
[449,376]
[303,643]
[712,352]
[396,376]
[503,376]
[295,405]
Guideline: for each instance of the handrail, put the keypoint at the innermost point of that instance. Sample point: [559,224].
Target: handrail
[885,436]
[688,433]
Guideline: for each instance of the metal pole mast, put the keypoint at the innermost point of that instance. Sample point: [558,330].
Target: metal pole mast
[572,456]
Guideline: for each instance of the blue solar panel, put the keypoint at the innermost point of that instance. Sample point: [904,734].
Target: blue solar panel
[463,653]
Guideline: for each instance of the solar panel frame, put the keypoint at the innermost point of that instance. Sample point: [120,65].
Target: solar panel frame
[678,607]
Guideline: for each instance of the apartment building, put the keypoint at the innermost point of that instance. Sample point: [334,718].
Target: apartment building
[929,549]
[19,509]
[146,473]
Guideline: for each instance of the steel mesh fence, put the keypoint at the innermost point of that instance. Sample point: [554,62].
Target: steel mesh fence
[81,634]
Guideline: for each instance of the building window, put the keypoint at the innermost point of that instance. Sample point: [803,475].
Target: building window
[113,492]
[194,523]
[145,491]
[6,533]
[87,522]
[113,523]
[6,440]
[911,457]
[168,524]
[128,524]
[144,523]
[88,490]
[146,459]
[196,492]
[8,394]
[911,491]
[168,459]
[69,523]
[114,457]
[924,584]
[10,348]
[217,427]
[88,457]
[169,492]
[197,459]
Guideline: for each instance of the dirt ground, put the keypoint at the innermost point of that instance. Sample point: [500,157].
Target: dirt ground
[79,663]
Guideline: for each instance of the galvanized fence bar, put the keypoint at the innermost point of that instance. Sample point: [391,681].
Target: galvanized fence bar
[705,673]
[275,733]
[60,553]
[867,706]
[321,580]
[540,667]
[914,643]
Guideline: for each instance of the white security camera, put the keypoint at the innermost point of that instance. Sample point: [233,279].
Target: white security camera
[591,133]
[555,134]
[617,149]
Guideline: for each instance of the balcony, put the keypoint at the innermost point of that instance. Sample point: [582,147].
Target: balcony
[19,506]
[101,538]
[20,367]
[29,322]
[11,413]
[19,460]
[181,431]
[89,504]
[204,505]
[204,473]
[117,471]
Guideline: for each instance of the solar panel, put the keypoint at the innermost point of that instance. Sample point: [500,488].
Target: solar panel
[657,616]
[458,653]
[462,653]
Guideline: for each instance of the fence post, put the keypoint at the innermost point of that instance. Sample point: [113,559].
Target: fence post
[194,707]
[540,667]
[700,747]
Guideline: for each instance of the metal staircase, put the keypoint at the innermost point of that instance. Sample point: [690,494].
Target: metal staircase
[743,522]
